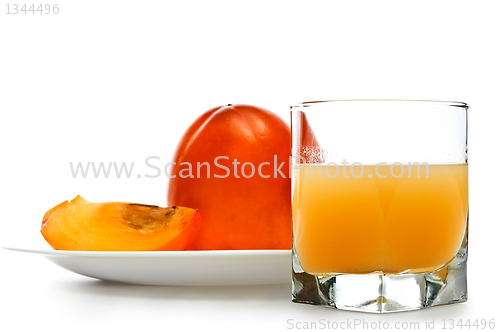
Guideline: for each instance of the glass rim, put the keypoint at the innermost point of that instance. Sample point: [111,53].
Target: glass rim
[402,101]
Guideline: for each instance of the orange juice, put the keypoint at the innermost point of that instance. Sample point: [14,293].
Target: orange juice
[371,223]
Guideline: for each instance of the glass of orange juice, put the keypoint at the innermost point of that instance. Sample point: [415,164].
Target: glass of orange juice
[379,204]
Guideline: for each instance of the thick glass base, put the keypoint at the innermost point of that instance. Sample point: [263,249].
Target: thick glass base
[382,293]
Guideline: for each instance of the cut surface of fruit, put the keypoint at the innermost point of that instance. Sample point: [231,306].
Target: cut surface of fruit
[115,226]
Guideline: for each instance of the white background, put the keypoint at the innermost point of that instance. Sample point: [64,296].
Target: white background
[121,80]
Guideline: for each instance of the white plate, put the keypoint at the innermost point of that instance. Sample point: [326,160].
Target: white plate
[203,268]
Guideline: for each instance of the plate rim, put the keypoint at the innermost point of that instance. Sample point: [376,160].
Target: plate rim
[185,253]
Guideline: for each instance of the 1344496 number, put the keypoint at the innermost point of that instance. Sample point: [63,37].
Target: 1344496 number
[478,324]
[32,9]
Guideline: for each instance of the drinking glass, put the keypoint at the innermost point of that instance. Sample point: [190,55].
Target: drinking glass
[379,204]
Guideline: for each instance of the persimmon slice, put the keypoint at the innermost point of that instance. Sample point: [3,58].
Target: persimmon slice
[114,226]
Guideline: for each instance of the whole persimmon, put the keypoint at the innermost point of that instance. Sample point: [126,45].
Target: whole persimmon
[232,164]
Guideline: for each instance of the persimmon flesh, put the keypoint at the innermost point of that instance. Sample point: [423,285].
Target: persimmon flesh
[239,211]
[114,226]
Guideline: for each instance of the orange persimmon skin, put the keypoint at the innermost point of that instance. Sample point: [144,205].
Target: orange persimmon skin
[185,238]
[115,226]
[238,212]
